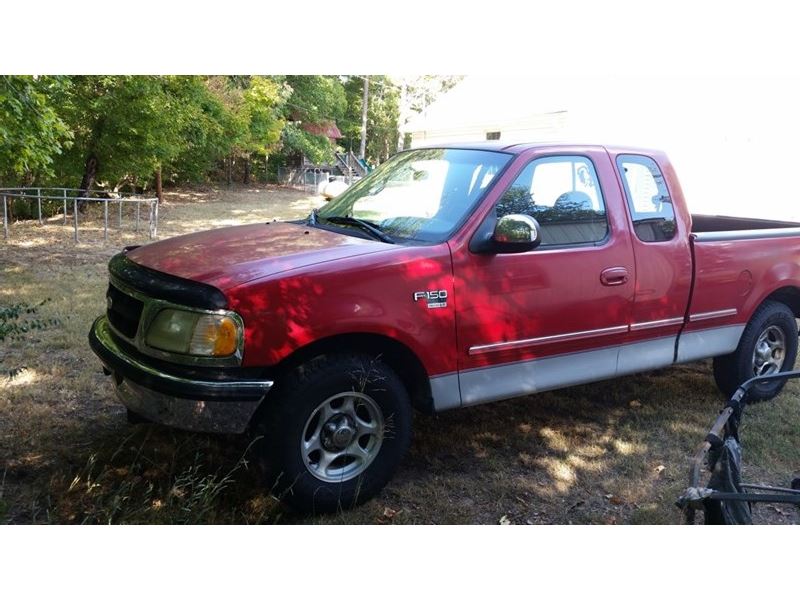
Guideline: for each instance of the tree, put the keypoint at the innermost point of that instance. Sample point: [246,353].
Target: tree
[124,127]
[417,93]
[383,113]
[110,131]
[264,103]
[254,110]
[208,132]
[31,132]
[315,100]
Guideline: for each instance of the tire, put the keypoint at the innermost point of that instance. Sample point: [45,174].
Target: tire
[775,325]
[318,412]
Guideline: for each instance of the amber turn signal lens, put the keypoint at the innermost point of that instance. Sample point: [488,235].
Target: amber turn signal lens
[214,335]
[225,343]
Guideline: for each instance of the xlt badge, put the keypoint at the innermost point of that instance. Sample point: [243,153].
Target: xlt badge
[434,298]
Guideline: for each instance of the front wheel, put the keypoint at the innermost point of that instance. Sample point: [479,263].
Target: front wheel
[334,432]
[768,345]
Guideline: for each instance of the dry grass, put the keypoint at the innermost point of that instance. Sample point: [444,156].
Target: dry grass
[612,452]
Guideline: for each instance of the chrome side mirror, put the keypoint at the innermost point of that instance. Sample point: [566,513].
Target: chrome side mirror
[516,233]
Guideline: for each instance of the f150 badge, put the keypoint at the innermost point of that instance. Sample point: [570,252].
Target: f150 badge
[434,298]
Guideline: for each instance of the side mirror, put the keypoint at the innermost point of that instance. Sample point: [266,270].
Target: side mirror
[516,233]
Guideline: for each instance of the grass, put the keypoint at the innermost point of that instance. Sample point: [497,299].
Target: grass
[611,452]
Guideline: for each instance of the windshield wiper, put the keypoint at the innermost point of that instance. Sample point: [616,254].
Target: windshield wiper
[370,228]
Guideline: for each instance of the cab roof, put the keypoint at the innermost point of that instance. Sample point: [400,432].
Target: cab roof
[520,147]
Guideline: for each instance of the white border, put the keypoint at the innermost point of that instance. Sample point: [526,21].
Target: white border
[603,40]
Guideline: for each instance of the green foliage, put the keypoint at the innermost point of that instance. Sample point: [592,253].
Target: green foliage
[28,209]
[318,149]
[31,132]
[130,124]
[18,319]
[208,132]
[383,115]
[314,100]
[113,130]
[264,102]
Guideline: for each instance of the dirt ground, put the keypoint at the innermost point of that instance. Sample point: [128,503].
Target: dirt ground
[611,452]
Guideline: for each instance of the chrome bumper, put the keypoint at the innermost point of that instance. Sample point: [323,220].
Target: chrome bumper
[210,416]
[218,406]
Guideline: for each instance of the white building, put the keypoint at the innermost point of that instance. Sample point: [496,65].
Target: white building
[733,143]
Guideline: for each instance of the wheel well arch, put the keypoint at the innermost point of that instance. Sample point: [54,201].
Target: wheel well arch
[395,354]
[788,295]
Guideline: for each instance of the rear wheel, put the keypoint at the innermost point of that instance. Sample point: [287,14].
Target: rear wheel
[768,345]
[334,432]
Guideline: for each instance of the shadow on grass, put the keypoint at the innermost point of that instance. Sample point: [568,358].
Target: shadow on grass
[610,452]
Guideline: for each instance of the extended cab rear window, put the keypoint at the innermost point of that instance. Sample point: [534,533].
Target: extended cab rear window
[563,194]
[648,198]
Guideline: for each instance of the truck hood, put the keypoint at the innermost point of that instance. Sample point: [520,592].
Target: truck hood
[231,256]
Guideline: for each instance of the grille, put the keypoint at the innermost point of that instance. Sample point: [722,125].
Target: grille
[124,311]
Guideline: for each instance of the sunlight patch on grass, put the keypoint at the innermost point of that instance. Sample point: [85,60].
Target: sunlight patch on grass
[21,379]
[576,462]
[563,474]
[554,439]
[628,448]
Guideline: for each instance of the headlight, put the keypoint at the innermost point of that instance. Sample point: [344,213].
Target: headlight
[194,333]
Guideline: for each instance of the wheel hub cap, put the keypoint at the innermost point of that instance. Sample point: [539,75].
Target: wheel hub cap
[769,352]
[342,437]
[337,433]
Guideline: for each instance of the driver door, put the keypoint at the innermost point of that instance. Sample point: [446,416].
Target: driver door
[556,315]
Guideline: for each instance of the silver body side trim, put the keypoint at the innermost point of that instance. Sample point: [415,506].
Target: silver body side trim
[706,343]
[446,392]
[714,314]
[488,384]
[527,377]
[646,355]
[656,324]
[547,339]
[746,234]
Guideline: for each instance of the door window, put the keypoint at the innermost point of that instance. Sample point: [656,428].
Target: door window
[648,198]
[563,194]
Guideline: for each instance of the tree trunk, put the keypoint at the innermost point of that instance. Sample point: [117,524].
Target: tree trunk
[89,174]
[158,185]
[363,148]
[230,170]
[246,178]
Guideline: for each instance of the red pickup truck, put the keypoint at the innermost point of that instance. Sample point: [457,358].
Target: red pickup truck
[448,277]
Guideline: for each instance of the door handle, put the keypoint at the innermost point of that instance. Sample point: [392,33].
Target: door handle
[614,276]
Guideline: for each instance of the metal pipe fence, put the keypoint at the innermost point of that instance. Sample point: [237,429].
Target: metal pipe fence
[71,195]
[307,179]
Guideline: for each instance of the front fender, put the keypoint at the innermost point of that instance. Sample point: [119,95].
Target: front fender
[376,294]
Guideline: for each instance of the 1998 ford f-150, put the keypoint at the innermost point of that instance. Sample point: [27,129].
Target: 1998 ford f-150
[448,277]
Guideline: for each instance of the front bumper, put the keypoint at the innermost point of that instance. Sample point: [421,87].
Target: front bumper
[222,405]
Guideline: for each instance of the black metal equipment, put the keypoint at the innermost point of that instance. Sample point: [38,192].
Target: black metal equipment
[726,500]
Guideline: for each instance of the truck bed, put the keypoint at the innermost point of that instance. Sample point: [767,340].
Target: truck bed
[738,262]
[716,227]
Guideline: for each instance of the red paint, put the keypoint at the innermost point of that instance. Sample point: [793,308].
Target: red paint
[294,285]
[230,256]
[507,297]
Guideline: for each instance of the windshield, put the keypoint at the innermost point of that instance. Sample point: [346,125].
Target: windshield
[421,195]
